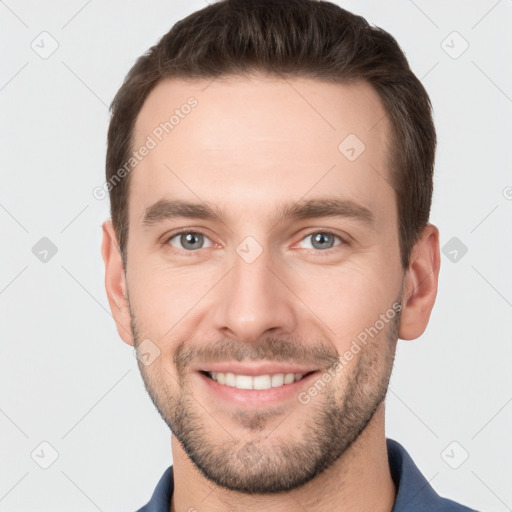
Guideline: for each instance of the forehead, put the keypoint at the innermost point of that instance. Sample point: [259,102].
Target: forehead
[238,141]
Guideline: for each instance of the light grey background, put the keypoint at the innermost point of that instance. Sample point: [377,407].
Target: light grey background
[67,379]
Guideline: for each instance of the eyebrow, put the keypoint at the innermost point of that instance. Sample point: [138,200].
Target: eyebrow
[166,209]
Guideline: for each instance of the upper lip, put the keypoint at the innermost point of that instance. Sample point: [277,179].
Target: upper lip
[254,368]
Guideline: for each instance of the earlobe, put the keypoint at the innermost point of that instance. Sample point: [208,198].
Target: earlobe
[115,282]
[421,282]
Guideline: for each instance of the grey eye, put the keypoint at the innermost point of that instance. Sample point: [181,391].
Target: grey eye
[189,240]
[322,240]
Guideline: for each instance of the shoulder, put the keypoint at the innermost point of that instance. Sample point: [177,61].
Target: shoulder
[161,498]
[414,492]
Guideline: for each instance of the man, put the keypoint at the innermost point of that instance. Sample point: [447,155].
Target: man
[270,167]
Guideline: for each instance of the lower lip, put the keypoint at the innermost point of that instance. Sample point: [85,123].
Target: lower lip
[256,397]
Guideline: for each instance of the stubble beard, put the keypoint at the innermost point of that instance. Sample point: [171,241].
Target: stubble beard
[262,461]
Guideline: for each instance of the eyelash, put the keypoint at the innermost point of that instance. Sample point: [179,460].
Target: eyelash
[316,252]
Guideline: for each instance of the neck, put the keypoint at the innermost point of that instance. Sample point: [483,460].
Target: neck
[359,480]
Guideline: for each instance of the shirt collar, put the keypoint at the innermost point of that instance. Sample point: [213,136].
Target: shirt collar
[413,490]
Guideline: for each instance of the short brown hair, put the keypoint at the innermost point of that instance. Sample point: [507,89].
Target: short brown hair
[291,38]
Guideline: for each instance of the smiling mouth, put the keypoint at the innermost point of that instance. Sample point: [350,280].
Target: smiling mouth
[257,382]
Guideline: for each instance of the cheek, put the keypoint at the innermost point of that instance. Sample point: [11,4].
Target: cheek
[346,299]
[162,297]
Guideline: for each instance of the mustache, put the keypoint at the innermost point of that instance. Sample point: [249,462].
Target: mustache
[320,355]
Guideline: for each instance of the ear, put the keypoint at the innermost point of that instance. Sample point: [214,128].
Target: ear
[420,286]
[115,283]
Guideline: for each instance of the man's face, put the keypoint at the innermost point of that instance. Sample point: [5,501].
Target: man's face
[258,293]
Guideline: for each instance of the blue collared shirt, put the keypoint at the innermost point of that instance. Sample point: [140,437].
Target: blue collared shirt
[414,493]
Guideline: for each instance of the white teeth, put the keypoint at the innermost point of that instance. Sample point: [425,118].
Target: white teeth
[277,380]
[257,382]
[289,378]
[243,382]
[262,382]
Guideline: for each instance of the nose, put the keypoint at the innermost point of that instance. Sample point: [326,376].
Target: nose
[255,299]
